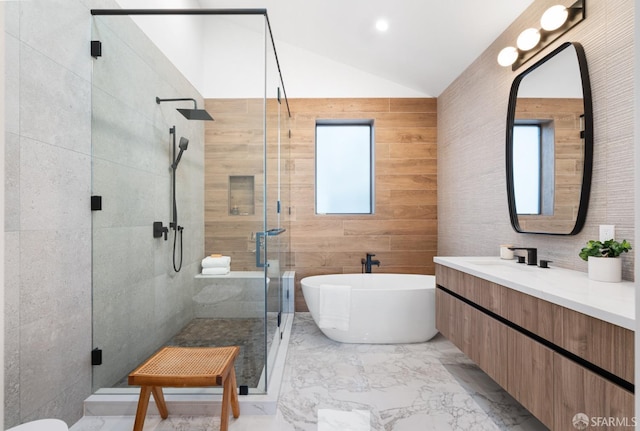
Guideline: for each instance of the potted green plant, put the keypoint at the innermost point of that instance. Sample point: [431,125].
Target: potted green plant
[604,259]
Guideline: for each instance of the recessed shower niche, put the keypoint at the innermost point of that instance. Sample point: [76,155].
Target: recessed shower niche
[242,195]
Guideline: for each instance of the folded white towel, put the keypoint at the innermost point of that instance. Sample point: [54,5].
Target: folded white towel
[215,271]
[334,306]
[216,262]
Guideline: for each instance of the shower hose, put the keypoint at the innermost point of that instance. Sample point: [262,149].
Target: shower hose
[179,230]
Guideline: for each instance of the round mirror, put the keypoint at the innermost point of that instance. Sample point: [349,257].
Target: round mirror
[549,151]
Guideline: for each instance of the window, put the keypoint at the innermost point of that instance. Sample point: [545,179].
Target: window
[344,167]
[526,168]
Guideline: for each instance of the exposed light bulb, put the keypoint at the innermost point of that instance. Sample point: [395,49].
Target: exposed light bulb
[554,17]
[382,25]
[528,39]
[507,56]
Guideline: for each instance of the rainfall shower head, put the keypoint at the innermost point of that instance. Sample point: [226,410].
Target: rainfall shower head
[184,143]
[195,114]
[189,114]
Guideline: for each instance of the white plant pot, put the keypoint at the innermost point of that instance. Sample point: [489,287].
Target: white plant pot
[607,269]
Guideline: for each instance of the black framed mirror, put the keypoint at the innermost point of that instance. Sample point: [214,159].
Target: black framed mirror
[549,148]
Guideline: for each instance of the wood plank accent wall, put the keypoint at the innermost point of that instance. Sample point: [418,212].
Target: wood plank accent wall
[233,147]
[403,231]
[569,159]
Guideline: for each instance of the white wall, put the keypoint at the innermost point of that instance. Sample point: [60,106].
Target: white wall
[216,40]
[180,38]
[306,74]
[234,57]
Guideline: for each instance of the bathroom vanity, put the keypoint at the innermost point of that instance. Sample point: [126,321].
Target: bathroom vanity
[558,342]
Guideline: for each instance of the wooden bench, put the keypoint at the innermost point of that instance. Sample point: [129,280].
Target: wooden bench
[181,367]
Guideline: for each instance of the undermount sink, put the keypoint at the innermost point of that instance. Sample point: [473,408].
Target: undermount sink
[492,262]
[501,264]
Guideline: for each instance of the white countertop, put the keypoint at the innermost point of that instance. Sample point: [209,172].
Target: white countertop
[611,302]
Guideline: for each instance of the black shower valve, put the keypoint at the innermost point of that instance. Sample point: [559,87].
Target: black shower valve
[159,230]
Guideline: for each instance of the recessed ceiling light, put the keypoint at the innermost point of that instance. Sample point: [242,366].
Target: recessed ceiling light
[382,25]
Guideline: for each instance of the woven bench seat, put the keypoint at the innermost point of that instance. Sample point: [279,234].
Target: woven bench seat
[181,367]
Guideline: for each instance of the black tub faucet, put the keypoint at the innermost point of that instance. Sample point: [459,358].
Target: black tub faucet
[532,254]
[368,262]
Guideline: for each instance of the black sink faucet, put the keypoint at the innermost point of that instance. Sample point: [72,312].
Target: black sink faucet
[368,262]
[532,254]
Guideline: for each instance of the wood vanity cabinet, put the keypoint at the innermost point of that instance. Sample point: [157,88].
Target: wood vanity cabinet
[481,338]
[530,379]
[578,390]
[555,361]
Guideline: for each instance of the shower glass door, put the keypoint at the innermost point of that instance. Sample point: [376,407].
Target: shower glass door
[277,232]
[229,193]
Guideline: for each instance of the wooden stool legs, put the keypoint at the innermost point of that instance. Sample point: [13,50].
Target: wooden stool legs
[184,367]
[143,403]
[159,397]
[229,398]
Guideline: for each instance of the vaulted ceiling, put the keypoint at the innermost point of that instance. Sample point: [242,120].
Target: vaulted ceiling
[427,45]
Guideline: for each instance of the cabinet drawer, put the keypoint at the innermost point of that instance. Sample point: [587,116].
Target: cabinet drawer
[578,390]
[530,375]
[482,338]
[608,346]
[489,346]
[533,314]
[477,290]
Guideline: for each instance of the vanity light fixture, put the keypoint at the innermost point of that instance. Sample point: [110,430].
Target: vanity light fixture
[554,17]
[555,21]
[507,56]
[528,39]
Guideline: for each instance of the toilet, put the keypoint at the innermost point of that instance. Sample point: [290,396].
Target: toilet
[42,425]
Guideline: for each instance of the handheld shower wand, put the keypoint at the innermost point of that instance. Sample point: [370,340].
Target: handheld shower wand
[184,143]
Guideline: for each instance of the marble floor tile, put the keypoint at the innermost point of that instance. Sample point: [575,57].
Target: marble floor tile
[331,386]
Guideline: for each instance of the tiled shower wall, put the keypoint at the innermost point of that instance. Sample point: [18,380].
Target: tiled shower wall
[139,301]
[48,226]
[472,201]
[48,218]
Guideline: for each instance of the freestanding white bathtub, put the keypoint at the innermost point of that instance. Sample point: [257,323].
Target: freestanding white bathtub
[384,308]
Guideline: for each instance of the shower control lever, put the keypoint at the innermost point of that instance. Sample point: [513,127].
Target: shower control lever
[159,230]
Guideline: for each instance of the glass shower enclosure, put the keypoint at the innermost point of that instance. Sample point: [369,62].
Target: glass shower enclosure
[171,187]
